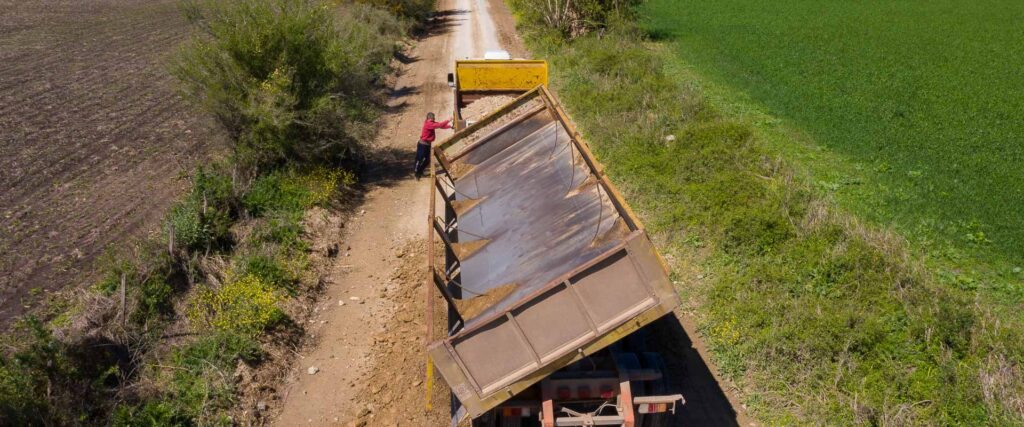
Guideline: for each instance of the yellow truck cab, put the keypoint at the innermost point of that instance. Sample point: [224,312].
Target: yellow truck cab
[495,76]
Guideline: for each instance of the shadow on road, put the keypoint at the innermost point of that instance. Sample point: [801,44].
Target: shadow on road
[441,22]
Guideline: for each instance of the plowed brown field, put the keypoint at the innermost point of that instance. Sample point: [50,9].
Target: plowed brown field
[93,138]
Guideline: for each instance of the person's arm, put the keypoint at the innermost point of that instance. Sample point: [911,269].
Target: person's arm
[439,125]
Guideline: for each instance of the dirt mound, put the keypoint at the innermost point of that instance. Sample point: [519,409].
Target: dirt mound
[395,391]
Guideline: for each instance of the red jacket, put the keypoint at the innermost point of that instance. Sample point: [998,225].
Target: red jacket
[428,129]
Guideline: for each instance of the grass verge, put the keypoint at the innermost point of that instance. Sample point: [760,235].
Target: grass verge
[817,316]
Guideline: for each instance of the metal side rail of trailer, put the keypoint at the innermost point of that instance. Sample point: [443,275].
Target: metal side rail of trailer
[535,233]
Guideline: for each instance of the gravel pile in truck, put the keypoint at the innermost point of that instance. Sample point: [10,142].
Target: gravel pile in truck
[484,106]
[557,270]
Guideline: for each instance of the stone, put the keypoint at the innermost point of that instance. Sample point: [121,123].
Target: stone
[312,370]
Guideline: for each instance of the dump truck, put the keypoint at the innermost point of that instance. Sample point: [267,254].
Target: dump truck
[548,275]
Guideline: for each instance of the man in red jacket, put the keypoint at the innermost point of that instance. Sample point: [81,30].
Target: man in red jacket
[427,137]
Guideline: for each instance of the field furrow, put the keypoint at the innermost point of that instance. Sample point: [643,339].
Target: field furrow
[95,136]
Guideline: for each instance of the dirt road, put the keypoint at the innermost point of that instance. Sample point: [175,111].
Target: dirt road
[366,363]
[92,136]
[395,217]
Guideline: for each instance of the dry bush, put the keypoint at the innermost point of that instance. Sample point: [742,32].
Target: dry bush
[573,18]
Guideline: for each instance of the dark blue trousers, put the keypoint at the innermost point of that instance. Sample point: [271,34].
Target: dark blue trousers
[422,157]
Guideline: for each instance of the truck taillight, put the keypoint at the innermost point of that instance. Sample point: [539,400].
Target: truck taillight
[515,412]
[652,408]
[564,393]
[607,392]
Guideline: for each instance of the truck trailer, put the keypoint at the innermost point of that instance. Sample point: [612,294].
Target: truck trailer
[548,275]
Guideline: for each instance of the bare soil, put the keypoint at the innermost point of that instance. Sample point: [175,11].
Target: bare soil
[398,391]
[94,137]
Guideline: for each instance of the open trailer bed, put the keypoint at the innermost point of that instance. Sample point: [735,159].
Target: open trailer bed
[553,263]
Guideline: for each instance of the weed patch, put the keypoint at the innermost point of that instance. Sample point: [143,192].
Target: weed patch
[202,220]
[245,306]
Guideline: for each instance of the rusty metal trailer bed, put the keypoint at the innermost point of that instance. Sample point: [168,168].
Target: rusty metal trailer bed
[557,264]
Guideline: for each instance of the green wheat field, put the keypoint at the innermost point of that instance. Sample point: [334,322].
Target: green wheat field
[923,101]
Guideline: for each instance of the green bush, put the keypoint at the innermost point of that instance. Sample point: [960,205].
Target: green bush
[202,385]
[24,378]
[270,270]
[573,18]
[154,299]
[157,413]
[202,220]
[288,79]
[415,10]
[282,228]
[49,382]
[199,388]
[246,306]
[293,191]
[116,269]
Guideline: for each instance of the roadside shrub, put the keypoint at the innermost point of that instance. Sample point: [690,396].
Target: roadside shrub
[115,270]
[157,413]
[292,191]
[288,79]
[415,10]
[149,274]
[204,383]
[245,306]
[282,228]
[200,387]
[48,382]
[154,299]
[202,220]
[574,18]
[26,377]
[269,270]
